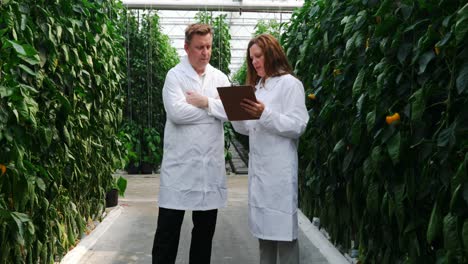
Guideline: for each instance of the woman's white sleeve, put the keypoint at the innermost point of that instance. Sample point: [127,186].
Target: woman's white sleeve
[293,120]
[241,127]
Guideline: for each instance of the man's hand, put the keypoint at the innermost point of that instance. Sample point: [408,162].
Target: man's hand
[196,99]
[253,108]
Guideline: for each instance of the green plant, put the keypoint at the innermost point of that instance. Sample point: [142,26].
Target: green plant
[61,72]
[221,49]
[392,187]
[152,147]
[129,136]
[120,184]
[150,56]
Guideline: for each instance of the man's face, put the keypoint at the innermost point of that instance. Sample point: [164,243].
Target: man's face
[199,51]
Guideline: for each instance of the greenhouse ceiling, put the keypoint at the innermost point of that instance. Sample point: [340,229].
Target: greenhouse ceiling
[220,5]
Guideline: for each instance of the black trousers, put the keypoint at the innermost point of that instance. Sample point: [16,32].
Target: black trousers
[166,239]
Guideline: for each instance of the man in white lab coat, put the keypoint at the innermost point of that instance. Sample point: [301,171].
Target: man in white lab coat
[193,175]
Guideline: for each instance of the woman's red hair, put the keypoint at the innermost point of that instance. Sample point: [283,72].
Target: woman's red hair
[275,61]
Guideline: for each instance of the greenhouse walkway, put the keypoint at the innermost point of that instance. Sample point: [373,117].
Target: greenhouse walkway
[126,233]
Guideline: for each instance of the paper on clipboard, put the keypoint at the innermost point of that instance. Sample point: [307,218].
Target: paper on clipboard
[232,96]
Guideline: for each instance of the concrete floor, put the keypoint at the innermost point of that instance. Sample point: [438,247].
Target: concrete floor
[129,238]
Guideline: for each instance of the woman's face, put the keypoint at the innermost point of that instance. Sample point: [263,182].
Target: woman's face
[258,60]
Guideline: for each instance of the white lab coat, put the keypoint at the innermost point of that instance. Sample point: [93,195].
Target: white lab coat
[273,161]
[193,173]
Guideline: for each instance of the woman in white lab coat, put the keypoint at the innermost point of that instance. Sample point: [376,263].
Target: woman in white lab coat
[273,140]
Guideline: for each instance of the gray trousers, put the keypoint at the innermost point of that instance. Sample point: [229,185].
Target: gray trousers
[288,252]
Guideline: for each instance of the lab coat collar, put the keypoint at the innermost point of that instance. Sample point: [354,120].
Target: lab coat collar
[269,83]
[190,71]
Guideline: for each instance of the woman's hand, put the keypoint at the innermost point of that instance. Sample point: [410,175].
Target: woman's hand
[196,99]
[253,108]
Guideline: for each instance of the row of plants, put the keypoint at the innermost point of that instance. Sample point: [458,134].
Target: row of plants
[383,162]
[62,64]
[149,58]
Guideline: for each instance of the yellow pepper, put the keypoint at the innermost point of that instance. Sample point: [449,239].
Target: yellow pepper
[393,118]
[378,19]
[311,96]
[3,168]
[336,72]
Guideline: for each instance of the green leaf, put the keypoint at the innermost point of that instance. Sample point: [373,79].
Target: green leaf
[393,147]
[435,224]
[451,241]
[348,22]
[5,91]
[367,167]
[403,52]
[424,61]
[357,86]
[421,22]
[446,137]
[384,8]
[465,235]
[461,26]
[372,198]
[27,69]
[19,219]
[465,193]
[399,205]
[350,43]
[40,184]
[455,201]
[418,104]
[47,136]
[339,146]
[462,79]
[370,120]
[122,185]
[444,40]
[65,52]
[406,10]
[31,57]
[17,47]
[360,104]
[59,33]
[356,132]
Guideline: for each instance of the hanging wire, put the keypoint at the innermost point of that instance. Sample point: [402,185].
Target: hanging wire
[129,85]
[220,28]
[148,20]
[151,68]
[281,23]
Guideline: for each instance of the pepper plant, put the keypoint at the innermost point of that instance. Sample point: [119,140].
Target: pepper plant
[221,49]
[61,70]
[384,159]
[150,56]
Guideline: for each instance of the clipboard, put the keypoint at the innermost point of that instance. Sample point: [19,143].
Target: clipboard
[232,96]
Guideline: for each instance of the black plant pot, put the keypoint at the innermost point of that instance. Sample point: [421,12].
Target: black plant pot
[112,198]
[132,169]
[146,168]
